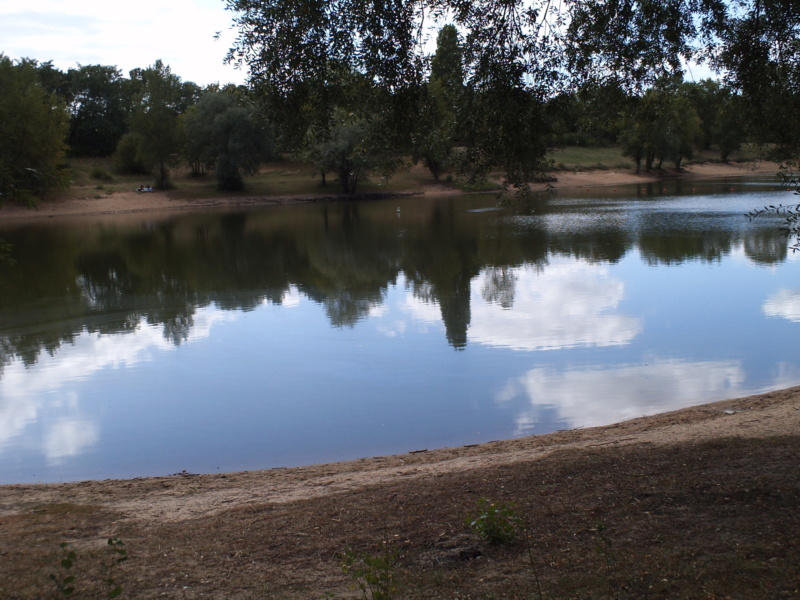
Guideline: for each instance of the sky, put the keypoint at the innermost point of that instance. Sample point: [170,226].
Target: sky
[123,34]
[129,35]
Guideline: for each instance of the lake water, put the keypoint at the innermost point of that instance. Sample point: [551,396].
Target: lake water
[292,335]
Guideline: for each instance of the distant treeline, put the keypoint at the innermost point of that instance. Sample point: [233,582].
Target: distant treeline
[343,119]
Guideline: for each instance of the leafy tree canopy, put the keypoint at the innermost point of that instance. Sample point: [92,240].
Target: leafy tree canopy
[517,54]
[33,126]
[223,134]
[154,121]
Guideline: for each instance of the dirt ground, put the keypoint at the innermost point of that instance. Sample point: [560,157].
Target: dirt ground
[699,503]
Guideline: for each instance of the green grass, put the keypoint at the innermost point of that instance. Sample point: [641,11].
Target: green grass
[279,178]
[582,158]
[94,177]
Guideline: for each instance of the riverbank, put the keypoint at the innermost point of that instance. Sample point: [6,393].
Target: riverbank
[696,503]
[88,201]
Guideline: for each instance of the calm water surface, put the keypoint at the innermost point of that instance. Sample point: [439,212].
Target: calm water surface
[293,335]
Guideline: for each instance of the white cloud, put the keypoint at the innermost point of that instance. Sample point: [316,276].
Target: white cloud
[179,32]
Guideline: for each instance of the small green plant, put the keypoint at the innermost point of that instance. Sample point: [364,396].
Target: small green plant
[496,522]
[66,576]
[374,574]
[118,556]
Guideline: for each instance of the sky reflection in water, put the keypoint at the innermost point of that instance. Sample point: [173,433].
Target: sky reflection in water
[374,332]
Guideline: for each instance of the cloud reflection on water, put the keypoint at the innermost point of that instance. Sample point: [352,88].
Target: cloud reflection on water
[593,396]
[45,393]
[784,304]
[567,305]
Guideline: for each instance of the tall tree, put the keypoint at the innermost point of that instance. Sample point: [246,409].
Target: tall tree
[33,127]
[155,120]
[97,111]
[293,49]
[436,130]
[447,65]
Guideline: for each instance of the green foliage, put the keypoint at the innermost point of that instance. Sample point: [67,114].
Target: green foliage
[297,52]
[154,121]
[662,126]
[374,575]
[789,213]
[496,522]
[447,65]
[66,578]
[97,110]
[126,159]
[33,126]
[436,128]
[223,134]
[349,147]
[100,174]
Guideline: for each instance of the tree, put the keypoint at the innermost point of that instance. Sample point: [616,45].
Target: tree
[730,129]
[518,54]
[436,128]
[662,126]
[345,149]
[435,131]
[223,135]
[33,127]
[97,111]
[295,49]
[760,51]
[447,65]
[155,120]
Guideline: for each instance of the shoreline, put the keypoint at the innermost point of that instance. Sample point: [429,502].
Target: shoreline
[695,503]
[123,204]
[188,496]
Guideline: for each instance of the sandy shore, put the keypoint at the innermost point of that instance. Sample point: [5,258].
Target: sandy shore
[132,202]
[187,496]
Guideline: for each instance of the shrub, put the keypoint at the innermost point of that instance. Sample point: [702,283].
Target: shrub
[495,522]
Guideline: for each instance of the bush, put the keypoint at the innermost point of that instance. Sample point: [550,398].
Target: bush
[497,523]
[126,160]
[100,174]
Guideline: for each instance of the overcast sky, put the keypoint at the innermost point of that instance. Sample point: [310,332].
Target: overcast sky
[123,34]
